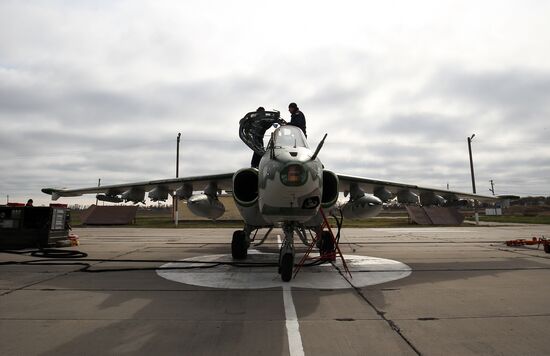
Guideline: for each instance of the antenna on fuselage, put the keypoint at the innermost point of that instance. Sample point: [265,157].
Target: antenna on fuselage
[319,146]
[272,146]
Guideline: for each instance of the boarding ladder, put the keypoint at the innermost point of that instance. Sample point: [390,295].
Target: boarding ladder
[330,256]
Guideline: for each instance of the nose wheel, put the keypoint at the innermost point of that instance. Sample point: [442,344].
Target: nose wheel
[286,254]
[286,265]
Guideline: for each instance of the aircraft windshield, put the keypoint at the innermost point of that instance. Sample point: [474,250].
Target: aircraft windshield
[290,136]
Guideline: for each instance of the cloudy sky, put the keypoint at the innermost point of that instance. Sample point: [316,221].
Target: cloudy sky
[100,89]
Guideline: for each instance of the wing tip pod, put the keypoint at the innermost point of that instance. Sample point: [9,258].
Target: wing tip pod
[51,191]
[57,193]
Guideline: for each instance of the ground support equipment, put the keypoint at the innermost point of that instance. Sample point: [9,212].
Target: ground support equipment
[322,238]
[534,241]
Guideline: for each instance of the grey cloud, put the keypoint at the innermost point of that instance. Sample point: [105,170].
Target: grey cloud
[431,166]
[81,103]
[72,105]
[519,94]
[336,96]
[73,122]
[428,126]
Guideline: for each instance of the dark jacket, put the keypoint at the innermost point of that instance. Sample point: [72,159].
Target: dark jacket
[298,119]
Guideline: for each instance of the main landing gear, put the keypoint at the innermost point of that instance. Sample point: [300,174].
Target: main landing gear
[241,242]
[239,245]
[324,240]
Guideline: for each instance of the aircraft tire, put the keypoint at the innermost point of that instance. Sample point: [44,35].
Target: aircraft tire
[547,248]
[239,247]
[286,266]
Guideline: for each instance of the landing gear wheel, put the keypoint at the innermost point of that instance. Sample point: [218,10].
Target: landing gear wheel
[285,267]
[547,248]
[239,245]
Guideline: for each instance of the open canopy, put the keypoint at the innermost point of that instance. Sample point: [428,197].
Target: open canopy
[253,126]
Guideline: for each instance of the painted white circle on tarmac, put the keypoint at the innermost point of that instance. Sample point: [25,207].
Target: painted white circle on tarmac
[365,271]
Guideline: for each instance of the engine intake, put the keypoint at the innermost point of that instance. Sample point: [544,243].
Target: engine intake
[245,194]
[245,186]
[330,189]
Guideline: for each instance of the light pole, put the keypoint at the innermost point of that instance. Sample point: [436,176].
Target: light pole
[473,178]
[492,190]
[174,197]
[98,184]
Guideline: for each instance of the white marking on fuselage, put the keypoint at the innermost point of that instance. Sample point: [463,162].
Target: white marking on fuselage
[295,346]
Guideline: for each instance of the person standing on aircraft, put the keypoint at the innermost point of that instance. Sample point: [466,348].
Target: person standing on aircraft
[297,117]
[255,162]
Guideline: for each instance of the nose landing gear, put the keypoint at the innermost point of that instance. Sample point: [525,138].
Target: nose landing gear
[286,253]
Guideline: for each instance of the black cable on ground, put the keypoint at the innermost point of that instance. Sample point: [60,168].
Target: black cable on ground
[55,257]
[48,253]
[318,262]
[63,257]
[339,223]
[86,267]
[58,253]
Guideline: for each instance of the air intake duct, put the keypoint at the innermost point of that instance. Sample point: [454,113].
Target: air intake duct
[330,189]
[245,187]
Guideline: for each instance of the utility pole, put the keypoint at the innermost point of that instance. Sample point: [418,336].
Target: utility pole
[7,199]
[98,184]
[473,179]
[492,187]
[174,197]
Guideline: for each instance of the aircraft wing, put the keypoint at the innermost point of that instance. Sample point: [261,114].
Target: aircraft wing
[383,189]
[197,183]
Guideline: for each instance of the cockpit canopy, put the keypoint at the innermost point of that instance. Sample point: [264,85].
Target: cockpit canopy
[253,126]
[289,136]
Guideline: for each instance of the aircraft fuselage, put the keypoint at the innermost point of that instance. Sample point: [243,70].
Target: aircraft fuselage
[290,182]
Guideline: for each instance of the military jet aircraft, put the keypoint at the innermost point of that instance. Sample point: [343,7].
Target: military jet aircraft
[288,190]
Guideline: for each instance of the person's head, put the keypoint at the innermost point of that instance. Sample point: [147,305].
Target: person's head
[292,107]
[29,202]
[260,109]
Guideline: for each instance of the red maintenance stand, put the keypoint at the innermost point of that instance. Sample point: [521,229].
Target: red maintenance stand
[535,241]
[329,250]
